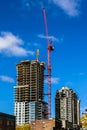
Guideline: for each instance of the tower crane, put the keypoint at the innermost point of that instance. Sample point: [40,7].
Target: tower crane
[49,49]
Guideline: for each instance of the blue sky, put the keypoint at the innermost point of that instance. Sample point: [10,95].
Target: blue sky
[22,31]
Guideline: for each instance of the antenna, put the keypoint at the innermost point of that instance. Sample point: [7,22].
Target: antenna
[37,54]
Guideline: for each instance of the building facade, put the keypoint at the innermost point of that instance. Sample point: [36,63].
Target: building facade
[67,108]
[43,124]
[29,91]
[7,122]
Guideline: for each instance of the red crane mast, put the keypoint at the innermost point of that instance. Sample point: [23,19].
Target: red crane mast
[49,49]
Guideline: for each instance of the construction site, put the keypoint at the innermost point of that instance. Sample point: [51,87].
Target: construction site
[30,106]
[29,92]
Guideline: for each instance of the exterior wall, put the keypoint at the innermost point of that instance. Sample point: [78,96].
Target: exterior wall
[43,124]
[22,93]
[67,107]
[32,111]
[63,109]
[20,112]
[29,92]
[7,122]
[31,76]
[36,81]
[37,111]
[42,110]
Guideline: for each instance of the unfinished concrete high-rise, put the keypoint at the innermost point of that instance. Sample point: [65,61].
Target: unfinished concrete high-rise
[29,92]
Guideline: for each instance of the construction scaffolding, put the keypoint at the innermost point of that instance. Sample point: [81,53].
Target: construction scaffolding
[30,88]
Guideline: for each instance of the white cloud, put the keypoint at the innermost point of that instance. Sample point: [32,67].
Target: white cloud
[49,37]
[6,79]
[35,44]
[54,80]
[11,45]
[79,74]
[70,7]
[33,3]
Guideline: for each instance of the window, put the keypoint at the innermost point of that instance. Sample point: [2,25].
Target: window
[8,123]
[0,122]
